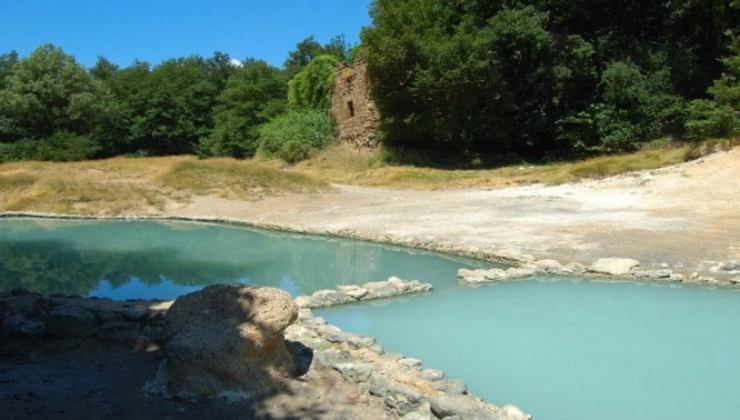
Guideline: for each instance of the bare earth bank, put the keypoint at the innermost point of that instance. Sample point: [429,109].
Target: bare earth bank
[686,216]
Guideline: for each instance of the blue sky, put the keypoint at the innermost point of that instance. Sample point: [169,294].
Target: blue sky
[155,30]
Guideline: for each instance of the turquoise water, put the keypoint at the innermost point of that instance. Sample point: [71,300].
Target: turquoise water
[574,351]
[126,259]
[562,350]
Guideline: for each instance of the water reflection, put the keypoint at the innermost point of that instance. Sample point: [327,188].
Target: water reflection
[57,266]
[125,259]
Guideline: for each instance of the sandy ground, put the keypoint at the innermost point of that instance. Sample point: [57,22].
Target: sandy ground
[686,216]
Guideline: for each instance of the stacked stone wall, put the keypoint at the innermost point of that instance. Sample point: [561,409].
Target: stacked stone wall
[357,117]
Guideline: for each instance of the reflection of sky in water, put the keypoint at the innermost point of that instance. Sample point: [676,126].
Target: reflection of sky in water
[165,289]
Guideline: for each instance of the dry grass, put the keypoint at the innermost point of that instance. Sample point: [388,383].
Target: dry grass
[231,178]
[149,185]
[75,196]
[138,185]
[343,165]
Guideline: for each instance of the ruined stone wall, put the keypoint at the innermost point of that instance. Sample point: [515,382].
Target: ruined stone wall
[357,118]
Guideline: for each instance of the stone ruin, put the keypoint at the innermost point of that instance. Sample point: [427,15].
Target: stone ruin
[351,106]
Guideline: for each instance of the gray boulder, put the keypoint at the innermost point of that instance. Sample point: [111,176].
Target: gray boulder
[228,338]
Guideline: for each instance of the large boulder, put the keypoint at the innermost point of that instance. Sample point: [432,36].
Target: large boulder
[228,338]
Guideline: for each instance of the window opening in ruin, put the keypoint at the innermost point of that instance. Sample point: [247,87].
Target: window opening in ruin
[351,108]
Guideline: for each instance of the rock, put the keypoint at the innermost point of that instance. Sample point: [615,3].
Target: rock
[451,386]
[70,320]
[574,267]
[379,289]
[303,302]
[735,280]
[228,338]
[333,357]
[17,324]
[520,272]
[354,371]
[360,340]
[424,412]
[400,396]
[410,362]
[653,274]
[333,333]
[472,276]
[497,274]
[730,266]
[377,348]
[549,266]
[323,298]
[432,375]
[613,266]
[511,412]
[463,406]
[355,292]
[677,277]
[137,313]
[400,285]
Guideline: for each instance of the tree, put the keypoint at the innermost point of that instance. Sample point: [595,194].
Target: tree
[254,94]
[311,87]
[168,107]
[103,69]
[455,81]
[720,116]
[51,104]
[309,48]
[7,61]
[535,77]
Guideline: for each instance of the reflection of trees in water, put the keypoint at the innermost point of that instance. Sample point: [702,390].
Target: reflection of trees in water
[191,257]
[55,266]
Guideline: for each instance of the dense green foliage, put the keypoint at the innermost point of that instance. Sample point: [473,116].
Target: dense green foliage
[292,136]
[254,94]
[52,108]
[311,87]
[720,116]
[308,49]
[541,78]
[51,104]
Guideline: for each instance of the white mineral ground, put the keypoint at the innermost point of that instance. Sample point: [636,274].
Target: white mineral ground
[686,216]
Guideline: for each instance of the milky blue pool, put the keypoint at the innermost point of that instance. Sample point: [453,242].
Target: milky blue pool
[562,350]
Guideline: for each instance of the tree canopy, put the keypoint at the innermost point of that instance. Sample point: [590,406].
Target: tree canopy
[530,79]
[541,78]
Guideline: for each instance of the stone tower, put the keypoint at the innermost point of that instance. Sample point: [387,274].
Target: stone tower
[355,113]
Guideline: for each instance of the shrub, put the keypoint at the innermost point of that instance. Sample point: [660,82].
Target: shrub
[292,136]
[707,119]
[61,147]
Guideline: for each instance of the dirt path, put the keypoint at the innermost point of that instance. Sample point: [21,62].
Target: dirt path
[686,216]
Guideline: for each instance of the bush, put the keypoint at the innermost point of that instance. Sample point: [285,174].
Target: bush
[294,135]
[61,147]
[707,119]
